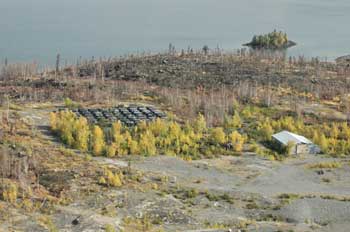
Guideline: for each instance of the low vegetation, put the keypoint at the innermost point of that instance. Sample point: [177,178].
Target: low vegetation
[111,179]
[326,165]
[218,104]
[191,140]
[36,175]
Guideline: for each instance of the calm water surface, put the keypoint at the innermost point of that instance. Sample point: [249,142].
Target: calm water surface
[39,29]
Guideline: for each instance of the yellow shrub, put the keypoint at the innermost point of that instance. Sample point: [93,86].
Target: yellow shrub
[265,129]
[102,180]
[116,130]
[113,179]
[134,147]
[98,143]
[200,125]
[111,150]
[345,130]
[53,121]
[142,126]
[159,127]
[234,122]
[316,137]
[63,123]
[28,205]
[109,228]
[323,143]
[334,133]
[174,130]
[237,141]
[81,134]
[147,143]
[325,165]
[9,193]
[217,135]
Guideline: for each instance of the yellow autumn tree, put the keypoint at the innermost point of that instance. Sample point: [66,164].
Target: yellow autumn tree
[233,122]
[122,144]
[265,130]
[247,112]
[111,150]
[334,132]
[200,124]
[345,131]
[237,141]
[53,121]
[112,179]
[316,137]
[119,138]
[134,147]
[147,143]
[142,126]
[217,135]
[323,142]
[174,130]
[288,123]
[10,192]
[188,129]
[65,127]
[131,145]
[236,121]
[81,134]
[98,143]
[158,127]
[332,145]
[116,130]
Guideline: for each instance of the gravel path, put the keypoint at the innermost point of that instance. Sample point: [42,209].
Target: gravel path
[294,178]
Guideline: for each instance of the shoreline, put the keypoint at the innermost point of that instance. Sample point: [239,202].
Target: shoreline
[286,46]
[49,63]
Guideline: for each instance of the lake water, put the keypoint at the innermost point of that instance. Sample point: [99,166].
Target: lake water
[39,29]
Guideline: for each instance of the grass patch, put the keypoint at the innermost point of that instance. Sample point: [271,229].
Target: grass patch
[252,205]
[337,198]
[46,222]
[225,197]
[291,196]
[109,228]
[15,107]
[287,198]
[325,165]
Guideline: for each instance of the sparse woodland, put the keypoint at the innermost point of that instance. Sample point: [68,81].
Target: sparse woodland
[217,104]
[212,83]
[188,141]
[193,78]
[36,175]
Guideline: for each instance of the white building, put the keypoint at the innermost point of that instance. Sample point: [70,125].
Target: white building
[301,145]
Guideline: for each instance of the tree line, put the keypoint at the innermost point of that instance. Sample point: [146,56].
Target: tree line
[188,140]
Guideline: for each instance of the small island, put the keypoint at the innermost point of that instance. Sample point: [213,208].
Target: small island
[272,40]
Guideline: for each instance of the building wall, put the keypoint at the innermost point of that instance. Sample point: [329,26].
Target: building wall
[302,149]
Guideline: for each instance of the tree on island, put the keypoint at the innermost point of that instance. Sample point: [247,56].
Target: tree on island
[272,40]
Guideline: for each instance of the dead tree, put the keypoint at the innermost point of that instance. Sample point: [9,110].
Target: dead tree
[58,63]
[205,49]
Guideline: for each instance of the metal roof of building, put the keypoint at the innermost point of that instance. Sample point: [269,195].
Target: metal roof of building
[285,136]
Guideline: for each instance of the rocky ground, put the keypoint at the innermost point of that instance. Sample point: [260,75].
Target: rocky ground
[246,193]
